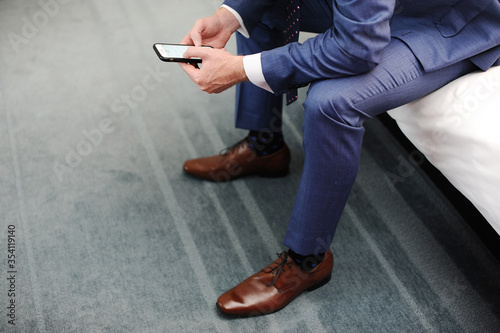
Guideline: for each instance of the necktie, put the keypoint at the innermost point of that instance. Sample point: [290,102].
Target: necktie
[292,35]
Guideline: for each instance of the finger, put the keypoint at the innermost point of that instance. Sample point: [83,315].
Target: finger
[187,40]
[193,64]
[196,38]
[197,52]
[190,69]
[195,33]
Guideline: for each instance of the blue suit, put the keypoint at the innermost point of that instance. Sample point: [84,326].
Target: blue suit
[370,56]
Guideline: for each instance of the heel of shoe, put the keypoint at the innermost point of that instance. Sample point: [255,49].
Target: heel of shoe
[274,174]
[320,283]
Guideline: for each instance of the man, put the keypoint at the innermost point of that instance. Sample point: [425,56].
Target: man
[370,56]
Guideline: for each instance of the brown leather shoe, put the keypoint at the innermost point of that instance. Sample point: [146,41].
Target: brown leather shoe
[237,161]
[274,287]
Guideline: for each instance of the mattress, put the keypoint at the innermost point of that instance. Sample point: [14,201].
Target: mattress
[458,129]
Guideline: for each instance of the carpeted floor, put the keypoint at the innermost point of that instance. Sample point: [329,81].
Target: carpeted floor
[109,235]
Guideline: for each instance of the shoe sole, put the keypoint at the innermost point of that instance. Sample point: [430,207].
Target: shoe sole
[263,174]
[274,174]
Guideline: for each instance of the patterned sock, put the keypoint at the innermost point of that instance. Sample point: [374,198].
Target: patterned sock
[265,142]
[307,262]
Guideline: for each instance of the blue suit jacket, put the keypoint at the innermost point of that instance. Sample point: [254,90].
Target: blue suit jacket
[439,32]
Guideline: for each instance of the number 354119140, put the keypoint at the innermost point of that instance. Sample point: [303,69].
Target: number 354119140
[11,246]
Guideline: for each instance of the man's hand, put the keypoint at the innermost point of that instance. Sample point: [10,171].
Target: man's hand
[219,70]
[214,30]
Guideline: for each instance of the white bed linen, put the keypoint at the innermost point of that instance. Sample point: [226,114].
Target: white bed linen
[458,129]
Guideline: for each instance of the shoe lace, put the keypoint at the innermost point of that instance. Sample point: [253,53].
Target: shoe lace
[229,149]
[279,268]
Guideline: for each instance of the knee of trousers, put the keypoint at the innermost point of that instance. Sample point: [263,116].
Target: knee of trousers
[332,130]
[326,100]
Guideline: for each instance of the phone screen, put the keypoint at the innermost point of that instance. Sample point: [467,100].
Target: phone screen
[172,52]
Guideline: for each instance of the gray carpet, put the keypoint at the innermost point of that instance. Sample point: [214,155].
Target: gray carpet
[111,236]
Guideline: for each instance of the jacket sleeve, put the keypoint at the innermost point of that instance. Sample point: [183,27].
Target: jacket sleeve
[353,45]
[250,11]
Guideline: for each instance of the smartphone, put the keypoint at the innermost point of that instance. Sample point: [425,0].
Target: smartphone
[174,52]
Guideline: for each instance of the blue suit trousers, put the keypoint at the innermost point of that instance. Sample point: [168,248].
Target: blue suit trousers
[334,113]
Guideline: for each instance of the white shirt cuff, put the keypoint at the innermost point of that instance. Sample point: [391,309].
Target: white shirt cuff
[253,69]
[242,29]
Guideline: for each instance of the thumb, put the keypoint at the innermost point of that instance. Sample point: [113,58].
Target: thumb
[196,52]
